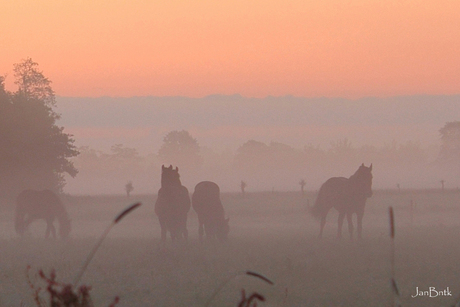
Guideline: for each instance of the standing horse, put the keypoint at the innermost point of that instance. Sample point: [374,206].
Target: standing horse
[34,205]
[211,216]
[348,196]
[172,205]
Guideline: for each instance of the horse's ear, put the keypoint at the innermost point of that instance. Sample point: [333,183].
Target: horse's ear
[177,169]
[362,164]
[370,167]
[170,166]
[163,167]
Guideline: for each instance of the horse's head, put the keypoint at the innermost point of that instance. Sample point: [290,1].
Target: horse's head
[64,227]
[170,176]
[363,180]
[223,230]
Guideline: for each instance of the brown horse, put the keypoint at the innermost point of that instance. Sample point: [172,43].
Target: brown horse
[211,216]
[34,205]
[348,196]
[172,205]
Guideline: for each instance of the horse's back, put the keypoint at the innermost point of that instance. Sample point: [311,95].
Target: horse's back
[41,200]
[336,183]
[207,188]
[206,196]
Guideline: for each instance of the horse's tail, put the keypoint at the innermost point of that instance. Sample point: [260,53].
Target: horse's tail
[318,209]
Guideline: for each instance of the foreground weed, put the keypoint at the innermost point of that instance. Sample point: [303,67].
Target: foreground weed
[394,287]
[61,294]
[245,302]
[68,295]
[250,301]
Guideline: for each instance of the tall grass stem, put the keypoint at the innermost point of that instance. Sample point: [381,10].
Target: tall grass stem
[394,287]
[99,242]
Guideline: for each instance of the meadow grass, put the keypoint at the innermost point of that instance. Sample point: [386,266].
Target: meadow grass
[271,234]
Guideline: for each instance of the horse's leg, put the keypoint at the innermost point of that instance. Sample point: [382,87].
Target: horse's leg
[50,229]
[163,235]
[186,234]
[322,223]
[173,232]
[27,222]
[200,230]
[163,232]
[53,230]
[360,215]
[185,230]
[321,226]
[47,233]
[350,224]
[340,223]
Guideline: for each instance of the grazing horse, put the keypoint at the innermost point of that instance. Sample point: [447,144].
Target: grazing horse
[172,205]
[348,196]
[34,205]
[206,203]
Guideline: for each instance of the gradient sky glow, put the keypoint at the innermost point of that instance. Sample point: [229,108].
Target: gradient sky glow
[258,48]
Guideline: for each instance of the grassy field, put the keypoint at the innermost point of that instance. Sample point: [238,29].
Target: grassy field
[271,234]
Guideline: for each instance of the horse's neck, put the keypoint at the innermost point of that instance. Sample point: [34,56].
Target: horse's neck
[174,185]
[354,177]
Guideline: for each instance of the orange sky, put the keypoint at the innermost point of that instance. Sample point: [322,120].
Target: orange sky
[330,48]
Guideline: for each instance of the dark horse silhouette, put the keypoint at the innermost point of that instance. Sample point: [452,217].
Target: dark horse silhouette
[211,216]
[34,205]
[172,205]
[348,196]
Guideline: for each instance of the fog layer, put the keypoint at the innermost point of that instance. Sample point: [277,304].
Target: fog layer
[299,138]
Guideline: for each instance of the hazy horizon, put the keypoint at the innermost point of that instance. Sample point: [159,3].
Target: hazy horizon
[221,124]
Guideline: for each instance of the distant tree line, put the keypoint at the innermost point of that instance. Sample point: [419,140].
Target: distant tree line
[255,161]
[181,149]
[34,151]
[450,144]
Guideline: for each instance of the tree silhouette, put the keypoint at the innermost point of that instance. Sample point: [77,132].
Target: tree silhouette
[253,157]
[181,149]
[34,151]
[243,186]
[450,147]
[32,84]
[129,188]
[302,185]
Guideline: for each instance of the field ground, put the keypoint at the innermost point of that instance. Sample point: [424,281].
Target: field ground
[271,234]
